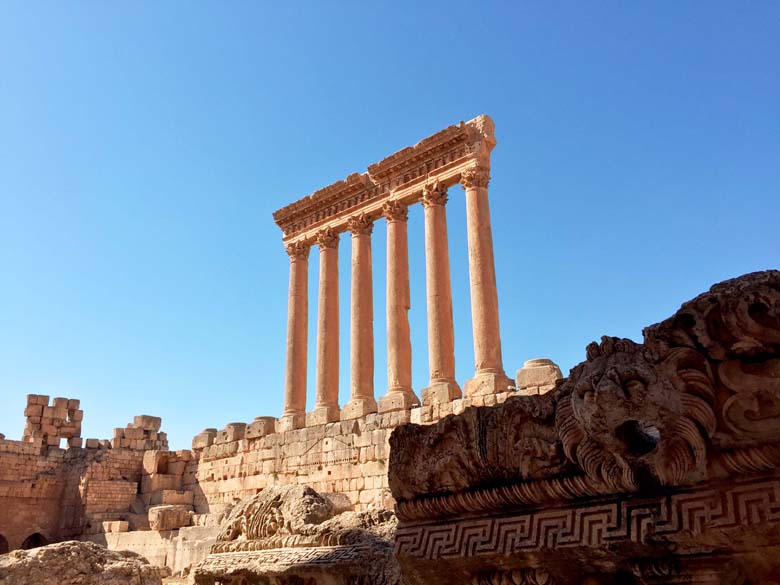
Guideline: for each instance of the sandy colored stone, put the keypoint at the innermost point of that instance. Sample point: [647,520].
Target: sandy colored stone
[537,376]
[78,563]
[169,517]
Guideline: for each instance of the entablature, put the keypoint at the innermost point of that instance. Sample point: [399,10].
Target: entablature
[442,157]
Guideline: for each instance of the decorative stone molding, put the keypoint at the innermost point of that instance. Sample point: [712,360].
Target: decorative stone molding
[360,225]
[328,238]
[394,210]
[639,462]
[297,251]
[434,194]
[443,157]
[475,177]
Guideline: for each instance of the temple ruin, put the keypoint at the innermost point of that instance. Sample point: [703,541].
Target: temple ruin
[650,463]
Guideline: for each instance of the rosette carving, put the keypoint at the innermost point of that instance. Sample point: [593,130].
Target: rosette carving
[434,194]
[360,225]
[328,238]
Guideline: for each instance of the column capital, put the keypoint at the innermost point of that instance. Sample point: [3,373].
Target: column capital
[297,251]
[434,194]
[328,238]
[394,210]
[360,225]
[475,177]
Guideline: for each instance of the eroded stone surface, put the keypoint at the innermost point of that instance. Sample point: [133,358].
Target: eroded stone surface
[293,534]
[667,449]
[77,563]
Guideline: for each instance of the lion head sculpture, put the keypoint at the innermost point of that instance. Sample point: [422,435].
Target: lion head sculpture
[629,420]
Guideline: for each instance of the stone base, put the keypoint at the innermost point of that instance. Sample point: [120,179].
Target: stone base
[358,408]
[484,383]
[441,392]
[322,415]
[398,400]
[291,422]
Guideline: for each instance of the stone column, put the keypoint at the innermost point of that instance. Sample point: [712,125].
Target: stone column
[361,350]
[294,416]
[399,345]
[441,337]
[326,406]
[489,377]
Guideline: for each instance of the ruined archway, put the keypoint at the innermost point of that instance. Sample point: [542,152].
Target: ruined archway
[3,545]
[34,541]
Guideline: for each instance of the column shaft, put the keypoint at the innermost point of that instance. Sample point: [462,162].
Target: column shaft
[489,377]
[441,336]
[361,349]
[399,346]
[293,416]
[326,407]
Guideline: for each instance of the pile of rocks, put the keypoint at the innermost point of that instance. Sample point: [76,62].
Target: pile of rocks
[78,563]
[48,425]
[142,434]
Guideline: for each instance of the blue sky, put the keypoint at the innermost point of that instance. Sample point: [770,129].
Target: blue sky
[144,146]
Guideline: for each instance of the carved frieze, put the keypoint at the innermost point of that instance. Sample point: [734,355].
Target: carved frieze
[444,153]
[658,460]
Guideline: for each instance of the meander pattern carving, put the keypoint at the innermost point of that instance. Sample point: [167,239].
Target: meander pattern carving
[594,526]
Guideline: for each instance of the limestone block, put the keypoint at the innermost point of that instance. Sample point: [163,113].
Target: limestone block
[119,433]
[169,517]
[74,442]
[40,399]
[171,497]
[75,414]
[112,526]
[232,432]
[154,462]
[53,441]
[160,481]
[92,443]
[61,403]
[537,376]
[134,433]
[73,403]
[147,423]
[33,410]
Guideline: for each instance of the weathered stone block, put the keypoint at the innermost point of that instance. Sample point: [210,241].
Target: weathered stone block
[171,497]
[112,526]
[232,432]
[260,427]
[169,517]
[538,376]
[147,422]
[92,443]
[160,481]
[74,442]
[33,410]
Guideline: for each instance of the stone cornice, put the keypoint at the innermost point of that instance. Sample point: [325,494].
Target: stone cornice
[443,156]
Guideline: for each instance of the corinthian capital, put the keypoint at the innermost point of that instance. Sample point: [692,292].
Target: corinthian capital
[328,238]
[297,251]
[360,225]
[475,177]
[394,210]
[434,194]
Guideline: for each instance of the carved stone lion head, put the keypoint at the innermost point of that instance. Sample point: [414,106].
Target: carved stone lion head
[629,420]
